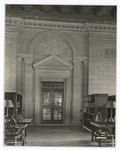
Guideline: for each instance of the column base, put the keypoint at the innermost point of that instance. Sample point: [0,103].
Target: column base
[75,122]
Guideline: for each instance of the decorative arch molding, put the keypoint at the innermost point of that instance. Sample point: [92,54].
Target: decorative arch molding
[53,42]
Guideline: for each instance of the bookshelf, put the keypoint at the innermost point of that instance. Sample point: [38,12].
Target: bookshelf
[92,105]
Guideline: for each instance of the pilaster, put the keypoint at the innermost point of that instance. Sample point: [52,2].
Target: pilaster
[28,88]
[10,61]
[86,77]
[18,77]
[78,89]
[68,99]
[76,93]
[23,86]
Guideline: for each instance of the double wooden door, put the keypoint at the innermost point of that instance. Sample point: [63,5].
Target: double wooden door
[52,106]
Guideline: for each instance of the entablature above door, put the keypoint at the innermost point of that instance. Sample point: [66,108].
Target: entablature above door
[53,62]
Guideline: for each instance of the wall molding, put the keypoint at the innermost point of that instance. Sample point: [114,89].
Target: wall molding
[109,53]
[25,23]
[101,27]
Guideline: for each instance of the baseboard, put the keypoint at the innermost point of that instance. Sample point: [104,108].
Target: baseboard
[47,125]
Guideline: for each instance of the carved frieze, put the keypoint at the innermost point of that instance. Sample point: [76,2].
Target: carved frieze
[109,53]
[101,27]
[53,46]
[96,26]
[44,24]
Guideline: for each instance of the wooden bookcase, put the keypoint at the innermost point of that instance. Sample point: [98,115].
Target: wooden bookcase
[17,102]
[92,105]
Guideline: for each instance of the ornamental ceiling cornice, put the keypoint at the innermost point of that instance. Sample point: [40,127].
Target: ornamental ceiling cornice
[25,23]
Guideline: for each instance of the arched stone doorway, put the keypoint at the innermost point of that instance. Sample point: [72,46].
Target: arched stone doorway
[54,62]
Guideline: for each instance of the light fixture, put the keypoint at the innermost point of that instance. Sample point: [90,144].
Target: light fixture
[8,104]
[111,105]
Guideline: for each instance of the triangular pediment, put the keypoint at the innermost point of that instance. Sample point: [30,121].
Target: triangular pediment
[53,62]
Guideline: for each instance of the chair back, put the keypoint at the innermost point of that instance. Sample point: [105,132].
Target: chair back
[100,117]
[18,117]
[10,124]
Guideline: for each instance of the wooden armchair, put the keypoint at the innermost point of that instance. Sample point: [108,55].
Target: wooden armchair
[104,133]
[12,133]
[106,136]
[18,117]
[110,134]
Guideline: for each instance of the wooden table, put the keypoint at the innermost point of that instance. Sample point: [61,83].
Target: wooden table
[100,126]
[23,124]
[25,121]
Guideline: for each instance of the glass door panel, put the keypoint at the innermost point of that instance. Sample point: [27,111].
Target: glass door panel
[57,105]
[46,106]
[52,106]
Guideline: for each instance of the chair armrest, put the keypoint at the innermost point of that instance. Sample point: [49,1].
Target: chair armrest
[19,131]
[26,125]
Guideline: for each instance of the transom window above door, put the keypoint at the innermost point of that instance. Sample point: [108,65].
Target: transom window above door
[59,85]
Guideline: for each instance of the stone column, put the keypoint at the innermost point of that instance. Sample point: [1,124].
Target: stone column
[10,62]
[28,88]
[23,86]
[82,92]
[76,93]
[68,100]
[37,99]
[85,77]
[71,100]
[79,81]
[18,77]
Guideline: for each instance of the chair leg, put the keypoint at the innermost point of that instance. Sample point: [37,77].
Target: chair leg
[113,141]
[22,142]
[15,141]
[106,142]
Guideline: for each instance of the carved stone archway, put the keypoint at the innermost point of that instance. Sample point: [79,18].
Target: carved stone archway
[53,42]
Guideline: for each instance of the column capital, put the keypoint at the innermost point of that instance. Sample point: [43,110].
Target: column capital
[19,58]
[80,58]
[85,61]
[29,60]
[23,55]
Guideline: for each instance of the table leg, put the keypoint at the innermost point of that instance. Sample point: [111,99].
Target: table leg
[99,143]
[92,134]
[99,135]
[26,135]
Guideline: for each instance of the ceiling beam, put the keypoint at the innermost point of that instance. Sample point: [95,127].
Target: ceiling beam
[46,8]
[113,12]
[99,11]
[64,9]
[27,7]
[8,7]
[81,10]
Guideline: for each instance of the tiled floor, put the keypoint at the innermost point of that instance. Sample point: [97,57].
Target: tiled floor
[73,136]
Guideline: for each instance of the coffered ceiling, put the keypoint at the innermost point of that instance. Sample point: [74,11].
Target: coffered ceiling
[66,13]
